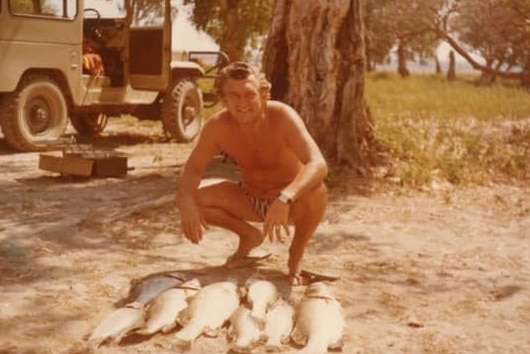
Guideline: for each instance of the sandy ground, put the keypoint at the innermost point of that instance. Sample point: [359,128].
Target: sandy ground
[435,271]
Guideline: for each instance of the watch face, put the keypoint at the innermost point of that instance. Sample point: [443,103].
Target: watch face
[283,198]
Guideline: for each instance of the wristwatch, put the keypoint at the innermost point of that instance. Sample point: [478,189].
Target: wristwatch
[284,198]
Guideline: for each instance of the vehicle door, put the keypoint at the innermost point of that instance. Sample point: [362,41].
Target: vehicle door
[149,50]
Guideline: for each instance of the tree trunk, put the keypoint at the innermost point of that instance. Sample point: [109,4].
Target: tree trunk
[451,71]
[230,39]
[438,66]
[315,60]
[402,69]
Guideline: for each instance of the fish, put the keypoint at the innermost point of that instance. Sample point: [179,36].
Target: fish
[145,290]
[320,322]
[163,311]
[117,325]
[278,325]
[244,330]
[131,316]
[207,312]
[260,294]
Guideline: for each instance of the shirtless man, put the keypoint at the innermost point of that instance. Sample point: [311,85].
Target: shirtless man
[281,166]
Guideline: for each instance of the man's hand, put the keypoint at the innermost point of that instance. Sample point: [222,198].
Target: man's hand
[277,219]
[191,222]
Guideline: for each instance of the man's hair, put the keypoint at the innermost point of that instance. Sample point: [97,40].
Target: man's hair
[240,70]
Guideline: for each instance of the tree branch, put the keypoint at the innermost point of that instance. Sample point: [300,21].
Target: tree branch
[476,65]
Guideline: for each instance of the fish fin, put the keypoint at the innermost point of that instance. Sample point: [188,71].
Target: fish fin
[168,328]
[211,332]
[145,331]
[183,318]
[337,346]
[315,276]
[269,348]
[96,342]
[230,333]
[298,337]
[181,346]
[185,337]
[176,275]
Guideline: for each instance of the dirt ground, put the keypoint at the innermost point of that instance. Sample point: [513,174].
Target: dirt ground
[441,270]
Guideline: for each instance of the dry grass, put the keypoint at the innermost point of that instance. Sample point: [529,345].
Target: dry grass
[452,132]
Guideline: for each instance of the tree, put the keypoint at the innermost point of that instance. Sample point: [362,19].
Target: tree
[406,25]
[378,39]
[315,60]
[233,24]
[496,30]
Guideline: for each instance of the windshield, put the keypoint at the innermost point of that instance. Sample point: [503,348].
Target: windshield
[106,8]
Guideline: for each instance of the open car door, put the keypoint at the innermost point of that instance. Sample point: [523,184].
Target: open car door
[149,45]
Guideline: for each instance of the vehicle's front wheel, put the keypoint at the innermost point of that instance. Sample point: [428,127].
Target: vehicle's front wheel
[89,124]
[35,115]
[182,111]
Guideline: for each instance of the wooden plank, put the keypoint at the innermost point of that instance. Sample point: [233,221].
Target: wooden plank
[115,166]
[70,165]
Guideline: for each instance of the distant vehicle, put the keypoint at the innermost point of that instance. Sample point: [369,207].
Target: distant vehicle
[61,61]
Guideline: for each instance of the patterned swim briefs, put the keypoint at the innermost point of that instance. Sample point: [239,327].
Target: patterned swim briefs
[260,205]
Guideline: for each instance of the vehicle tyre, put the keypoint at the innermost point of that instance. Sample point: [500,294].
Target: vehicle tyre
[182,111]
[89,124]
[35,115]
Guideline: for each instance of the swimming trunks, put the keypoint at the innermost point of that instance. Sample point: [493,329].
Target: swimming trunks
[260,205]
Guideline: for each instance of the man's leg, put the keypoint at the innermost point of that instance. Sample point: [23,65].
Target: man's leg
[306,214]
[224,204]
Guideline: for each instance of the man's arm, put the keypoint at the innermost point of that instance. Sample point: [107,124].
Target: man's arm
[315,168]
[311,174]
[191,217]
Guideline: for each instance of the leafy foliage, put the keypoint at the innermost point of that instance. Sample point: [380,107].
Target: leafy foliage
[234,24]
[499,30]
[407,25]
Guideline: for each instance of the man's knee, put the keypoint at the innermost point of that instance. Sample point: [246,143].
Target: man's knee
[215,192]
[311,205]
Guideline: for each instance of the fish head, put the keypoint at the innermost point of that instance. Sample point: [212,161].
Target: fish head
[318,290]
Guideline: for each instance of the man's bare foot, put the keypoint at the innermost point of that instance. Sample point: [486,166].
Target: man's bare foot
[299,280]
[235,262]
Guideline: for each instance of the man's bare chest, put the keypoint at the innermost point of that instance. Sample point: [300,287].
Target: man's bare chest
[254,153]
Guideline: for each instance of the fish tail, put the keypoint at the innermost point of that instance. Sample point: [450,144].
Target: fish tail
[272,346]
[187,335]
[258,313]
[314,347]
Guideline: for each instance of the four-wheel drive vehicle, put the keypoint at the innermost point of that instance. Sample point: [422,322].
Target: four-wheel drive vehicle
[48,50]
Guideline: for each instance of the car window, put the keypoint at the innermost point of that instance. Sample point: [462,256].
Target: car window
[60,9]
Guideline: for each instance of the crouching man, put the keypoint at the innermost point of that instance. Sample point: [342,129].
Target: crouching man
[282,172]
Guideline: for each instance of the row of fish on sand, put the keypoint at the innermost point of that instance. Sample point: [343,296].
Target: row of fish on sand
[255,315]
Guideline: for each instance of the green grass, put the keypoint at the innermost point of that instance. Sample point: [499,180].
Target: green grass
[450,131]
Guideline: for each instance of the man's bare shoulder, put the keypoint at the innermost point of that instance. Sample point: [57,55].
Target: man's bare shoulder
[282,112]
[218,118]
[217,122]
[277,106]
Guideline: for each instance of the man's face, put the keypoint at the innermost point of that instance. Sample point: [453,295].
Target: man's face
[242,99]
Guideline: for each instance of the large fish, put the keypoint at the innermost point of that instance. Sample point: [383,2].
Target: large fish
[117,325]
[261,294]
[244,331]
[126,319]
[207,312]
[145,290]
[163,310]
[279,324]
[319,322]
